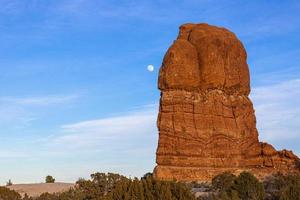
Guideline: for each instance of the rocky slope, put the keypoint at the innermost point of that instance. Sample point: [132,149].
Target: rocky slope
[206,121]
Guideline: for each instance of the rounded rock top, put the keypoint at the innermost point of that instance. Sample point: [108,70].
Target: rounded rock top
[205,57]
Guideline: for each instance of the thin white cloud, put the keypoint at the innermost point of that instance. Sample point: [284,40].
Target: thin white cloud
[19,112]
[9,154]
[274,25]
[278,111]
[110,130]
[37,101]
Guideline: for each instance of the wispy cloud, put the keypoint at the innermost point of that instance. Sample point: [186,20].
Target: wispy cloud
[38,101]
[110,130]
[269,26]
[278,112]
[16,112]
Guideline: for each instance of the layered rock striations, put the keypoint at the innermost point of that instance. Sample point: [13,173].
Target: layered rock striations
[206,120]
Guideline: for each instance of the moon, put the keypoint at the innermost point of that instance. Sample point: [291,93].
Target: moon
[150,68]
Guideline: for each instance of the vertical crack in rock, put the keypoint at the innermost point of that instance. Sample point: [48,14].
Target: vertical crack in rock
[206,122]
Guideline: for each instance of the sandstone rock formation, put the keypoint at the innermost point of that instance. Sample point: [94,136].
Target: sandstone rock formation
[206,121]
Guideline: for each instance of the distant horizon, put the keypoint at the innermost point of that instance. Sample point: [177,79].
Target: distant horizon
[77,96]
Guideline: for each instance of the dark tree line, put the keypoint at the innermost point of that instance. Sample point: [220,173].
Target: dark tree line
[111,186]
[225,186]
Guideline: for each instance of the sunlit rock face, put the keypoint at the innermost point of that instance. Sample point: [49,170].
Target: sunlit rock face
[206,120]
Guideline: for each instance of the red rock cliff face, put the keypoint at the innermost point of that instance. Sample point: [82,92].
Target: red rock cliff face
[206,121]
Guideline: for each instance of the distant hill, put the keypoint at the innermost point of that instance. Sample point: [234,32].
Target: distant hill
[39,188]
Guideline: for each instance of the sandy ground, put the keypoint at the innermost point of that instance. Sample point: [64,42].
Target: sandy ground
[39,188]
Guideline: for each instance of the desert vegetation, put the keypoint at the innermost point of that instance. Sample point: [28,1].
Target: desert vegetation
[49,179]
[225,186]
[246,186]
[111,186]
[9,183]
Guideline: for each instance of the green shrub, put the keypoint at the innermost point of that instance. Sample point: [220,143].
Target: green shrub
[283,187]
[48,196]
[26,197]
[9,183]
[223,182]
[290,192]
[248,187]
[290,189]
[244,187]
[49,179]
[7,194]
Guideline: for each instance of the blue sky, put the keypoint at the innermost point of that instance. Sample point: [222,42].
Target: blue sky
[76,96]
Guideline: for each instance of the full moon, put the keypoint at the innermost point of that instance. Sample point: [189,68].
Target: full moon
[150,68]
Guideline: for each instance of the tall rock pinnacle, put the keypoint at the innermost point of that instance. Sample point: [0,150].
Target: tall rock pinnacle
[206,120]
